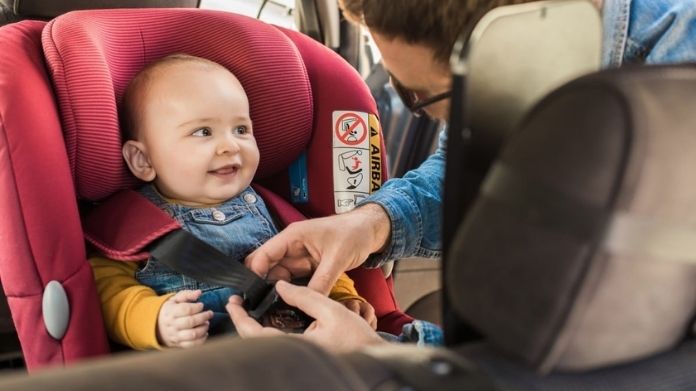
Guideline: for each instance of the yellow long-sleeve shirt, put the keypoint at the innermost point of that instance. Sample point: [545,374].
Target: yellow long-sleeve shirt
[130,309]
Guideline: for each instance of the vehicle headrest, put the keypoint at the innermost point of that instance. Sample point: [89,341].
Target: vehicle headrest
[50,9]
[93,55]
[579,250]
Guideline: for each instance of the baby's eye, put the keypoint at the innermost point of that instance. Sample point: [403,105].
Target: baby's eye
[241,130]
[202,132]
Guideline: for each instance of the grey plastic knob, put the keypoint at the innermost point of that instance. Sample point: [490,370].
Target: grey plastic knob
[56,309]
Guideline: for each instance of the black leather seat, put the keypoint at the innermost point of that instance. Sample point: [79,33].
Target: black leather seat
[7,14]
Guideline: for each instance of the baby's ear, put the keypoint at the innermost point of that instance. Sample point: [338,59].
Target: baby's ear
[135,155]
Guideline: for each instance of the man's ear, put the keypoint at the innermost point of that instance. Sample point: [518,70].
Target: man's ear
[135,155]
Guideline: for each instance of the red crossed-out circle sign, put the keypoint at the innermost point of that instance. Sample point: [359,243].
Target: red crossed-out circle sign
[355,131]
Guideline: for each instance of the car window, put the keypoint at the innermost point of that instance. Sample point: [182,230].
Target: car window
[278,12]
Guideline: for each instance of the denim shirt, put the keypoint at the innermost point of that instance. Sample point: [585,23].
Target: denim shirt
[236,227]
[635,31]
[648,32]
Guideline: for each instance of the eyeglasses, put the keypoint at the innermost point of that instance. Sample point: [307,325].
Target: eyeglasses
[411,99]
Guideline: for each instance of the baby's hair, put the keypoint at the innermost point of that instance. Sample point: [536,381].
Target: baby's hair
[128,107]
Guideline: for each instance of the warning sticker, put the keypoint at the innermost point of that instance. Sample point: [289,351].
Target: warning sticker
[357,159]
[350,128]
[375,154]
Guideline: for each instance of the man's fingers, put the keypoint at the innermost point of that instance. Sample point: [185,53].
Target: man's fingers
[264,258]
[259,261]
[287,244]
[186,296]
[290,268]
[313,303]
[246,326]
[325,276]
[279,272]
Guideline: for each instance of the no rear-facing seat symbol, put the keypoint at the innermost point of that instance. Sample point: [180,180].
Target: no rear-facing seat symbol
[350,129]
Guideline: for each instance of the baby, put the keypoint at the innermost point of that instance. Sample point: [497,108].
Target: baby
[189,136]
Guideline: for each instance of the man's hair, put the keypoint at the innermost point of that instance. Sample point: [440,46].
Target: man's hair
[128,114]
[433,23]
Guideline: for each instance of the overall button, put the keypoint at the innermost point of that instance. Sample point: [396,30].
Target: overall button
[249,198]
[218,216]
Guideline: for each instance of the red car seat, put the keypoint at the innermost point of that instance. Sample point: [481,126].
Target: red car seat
[60,143]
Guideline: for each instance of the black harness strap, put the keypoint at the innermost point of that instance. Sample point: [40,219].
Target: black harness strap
[190,256]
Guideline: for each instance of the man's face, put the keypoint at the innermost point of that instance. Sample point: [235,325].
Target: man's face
[196,130]
[415,68]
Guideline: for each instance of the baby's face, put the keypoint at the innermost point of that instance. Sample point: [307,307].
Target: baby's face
[196,128]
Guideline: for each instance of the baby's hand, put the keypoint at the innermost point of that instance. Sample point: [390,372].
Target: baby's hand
[181,321]
[362,308]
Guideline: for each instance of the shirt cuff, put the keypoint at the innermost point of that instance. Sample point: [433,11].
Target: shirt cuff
[406,225]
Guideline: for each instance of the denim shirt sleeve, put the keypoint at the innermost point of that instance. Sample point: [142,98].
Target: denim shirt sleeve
[414,206]
[649,31]
[662,32]
[615,14]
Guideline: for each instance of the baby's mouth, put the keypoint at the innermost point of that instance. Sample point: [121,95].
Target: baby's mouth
[225,170]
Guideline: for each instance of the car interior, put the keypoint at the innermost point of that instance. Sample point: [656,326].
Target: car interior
[567,239]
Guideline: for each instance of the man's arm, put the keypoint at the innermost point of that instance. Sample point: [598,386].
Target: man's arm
[414,206]
[402,219]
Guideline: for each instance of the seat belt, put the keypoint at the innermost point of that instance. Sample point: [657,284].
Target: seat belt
[192,257]
[128,227]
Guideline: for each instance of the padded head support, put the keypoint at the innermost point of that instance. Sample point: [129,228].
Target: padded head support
[579,250]
[93,55]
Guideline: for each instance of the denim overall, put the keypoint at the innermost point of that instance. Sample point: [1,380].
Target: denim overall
[236,227]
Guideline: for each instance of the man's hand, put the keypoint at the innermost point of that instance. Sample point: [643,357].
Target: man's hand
[181,321]
[362,308]
[332,245]
[335,328]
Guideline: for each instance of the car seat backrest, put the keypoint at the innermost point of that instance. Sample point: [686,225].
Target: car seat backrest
[579,250]
[61,141]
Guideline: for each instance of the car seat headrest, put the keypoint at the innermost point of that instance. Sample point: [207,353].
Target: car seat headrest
[93,55]
[50,9]
[579,249]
